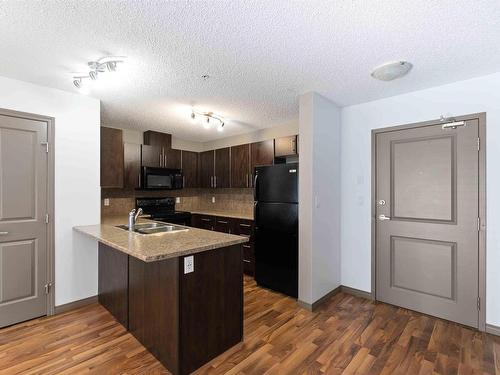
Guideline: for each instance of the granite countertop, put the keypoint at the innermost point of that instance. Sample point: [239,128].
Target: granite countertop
[231,214]
[153,247]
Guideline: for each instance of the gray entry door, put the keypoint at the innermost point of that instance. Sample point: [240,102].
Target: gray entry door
[23,231]
[427,189]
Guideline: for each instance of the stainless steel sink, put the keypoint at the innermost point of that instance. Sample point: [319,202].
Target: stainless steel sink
[153,228]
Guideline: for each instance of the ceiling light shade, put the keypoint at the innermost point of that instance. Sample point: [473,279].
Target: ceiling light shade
[390,71]
[93,75]
[111,66]
[78,83]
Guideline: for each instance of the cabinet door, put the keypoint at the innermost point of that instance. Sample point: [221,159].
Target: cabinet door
[132,165]
[285,146]
[206,171]
[151,156]
[240,166]
[111,157]
[190,169]
[222,168]
[261,153]
[223,224]
[172,158]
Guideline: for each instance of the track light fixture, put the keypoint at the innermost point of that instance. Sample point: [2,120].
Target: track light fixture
[104,64]
[208,116]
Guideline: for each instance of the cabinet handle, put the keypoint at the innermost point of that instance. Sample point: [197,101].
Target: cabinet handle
[160,160]
[215,181]
[245,225]
[246,261]
[164,160]
[183,181]
[202,219]
[222,222]
[211,181]
[247,246]
[139,179]
[246,178]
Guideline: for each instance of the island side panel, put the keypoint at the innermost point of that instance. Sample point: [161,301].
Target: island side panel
[154,308]
[113,282]
[211,309]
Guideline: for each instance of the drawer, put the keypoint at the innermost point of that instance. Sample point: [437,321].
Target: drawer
[248,259]
[203,222]
[243,228]
[223,224]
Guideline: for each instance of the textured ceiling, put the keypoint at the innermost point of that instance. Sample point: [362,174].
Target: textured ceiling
[260,55]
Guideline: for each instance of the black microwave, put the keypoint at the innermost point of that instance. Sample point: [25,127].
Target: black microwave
[161,178]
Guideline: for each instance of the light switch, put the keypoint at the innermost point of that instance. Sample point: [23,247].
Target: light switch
[178,200]
[106,202]
[189,264]
[213,199]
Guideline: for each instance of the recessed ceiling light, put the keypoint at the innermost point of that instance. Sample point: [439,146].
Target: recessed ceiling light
[205,77]
[392,70]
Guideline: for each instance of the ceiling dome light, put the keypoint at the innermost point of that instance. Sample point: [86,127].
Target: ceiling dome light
[390,71]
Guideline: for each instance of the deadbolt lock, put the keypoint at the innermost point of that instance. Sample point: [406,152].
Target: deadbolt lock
[381,202]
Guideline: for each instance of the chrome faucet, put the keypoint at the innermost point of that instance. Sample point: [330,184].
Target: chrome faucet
[132,218]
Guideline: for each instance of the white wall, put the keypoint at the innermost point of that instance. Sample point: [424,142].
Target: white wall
[77,169]
[460,98]
[319,197]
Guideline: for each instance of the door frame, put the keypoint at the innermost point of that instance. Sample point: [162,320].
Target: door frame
[481,117]
[50,121]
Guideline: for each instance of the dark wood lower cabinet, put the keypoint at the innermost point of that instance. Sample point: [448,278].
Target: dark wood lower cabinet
[113,282]
[241,227]
[184,320]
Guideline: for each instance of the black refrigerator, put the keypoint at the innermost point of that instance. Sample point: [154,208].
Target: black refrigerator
[276,227]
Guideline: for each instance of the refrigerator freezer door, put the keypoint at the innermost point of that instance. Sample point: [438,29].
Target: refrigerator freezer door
[277,183]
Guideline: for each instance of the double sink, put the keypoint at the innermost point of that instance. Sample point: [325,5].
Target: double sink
[154,228]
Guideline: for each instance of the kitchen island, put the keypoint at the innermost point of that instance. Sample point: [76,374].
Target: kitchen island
[179,293]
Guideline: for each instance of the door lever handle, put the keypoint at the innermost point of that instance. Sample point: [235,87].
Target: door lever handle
[4,233]
[383,217]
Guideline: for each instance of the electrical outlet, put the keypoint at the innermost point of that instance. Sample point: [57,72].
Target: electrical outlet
[106,202]
[177,199]
[213,199]
[188,264]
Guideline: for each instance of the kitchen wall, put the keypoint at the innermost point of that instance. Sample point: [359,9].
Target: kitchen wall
[219,200]
[460,98]
[319,197]
[77,191]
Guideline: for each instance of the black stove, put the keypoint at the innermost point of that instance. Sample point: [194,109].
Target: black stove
[163,209]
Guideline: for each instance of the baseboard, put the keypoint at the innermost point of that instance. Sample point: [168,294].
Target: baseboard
[75,304]
[494,330]
[318,303]
[356,292]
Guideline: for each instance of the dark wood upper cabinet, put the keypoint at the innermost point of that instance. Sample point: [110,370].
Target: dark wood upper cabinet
[151,156]
[172,159]
[285,146]
[190,168]
[240,166]
[111,157]
[152,138]
[262,153]
[222,168]
[206,169]
[132,165]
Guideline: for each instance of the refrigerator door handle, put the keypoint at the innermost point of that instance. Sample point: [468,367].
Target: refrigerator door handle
[256,197]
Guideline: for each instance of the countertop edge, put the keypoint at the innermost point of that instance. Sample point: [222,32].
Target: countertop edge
[81,229]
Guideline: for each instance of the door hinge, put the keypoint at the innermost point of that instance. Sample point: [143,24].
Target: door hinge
[48,288]
[47,218]
[478,224]
[46,144]
[478,144]
[479,303]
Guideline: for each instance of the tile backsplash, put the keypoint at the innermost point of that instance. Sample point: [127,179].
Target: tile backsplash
[121,201]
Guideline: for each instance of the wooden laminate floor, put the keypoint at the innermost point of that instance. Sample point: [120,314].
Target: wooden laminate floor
[348,335]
